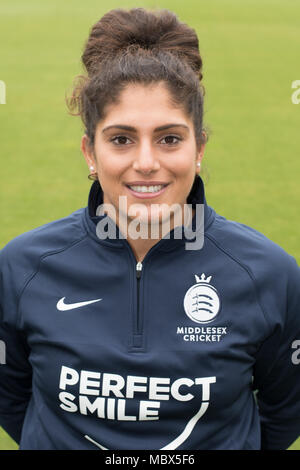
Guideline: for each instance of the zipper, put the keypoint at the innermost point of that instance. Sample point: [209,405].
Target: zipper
[137,337]
[138,270]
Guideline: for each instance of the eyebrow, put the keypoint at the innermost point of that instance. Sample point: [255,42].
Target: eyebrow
[133,129]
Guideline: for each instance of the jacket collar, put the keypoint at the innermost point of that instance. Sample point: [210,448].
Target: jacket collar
[196,196]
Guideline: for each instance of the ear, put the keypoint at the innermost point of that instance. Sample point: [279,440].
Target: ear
[87,151]
[200,151]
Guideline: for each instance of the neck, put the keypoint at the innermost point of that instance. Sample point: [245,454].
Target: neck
[142,237]
[141,247]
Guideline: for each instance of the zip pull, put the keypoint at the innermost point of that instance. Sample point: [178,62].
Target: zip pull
[138,269]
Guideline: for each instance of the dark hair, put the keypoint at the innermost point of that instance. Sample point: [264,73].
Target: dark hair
[138,46]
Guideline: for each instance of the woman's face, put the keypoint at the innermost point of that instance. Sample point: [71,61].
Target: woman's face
[144,143]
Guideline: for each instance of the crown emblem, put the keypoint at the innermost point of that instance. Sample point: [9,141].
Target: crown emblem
[203,278]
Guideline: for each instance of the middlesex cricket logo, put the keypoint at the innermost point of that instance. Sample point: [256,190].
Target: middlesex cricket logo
[202,302]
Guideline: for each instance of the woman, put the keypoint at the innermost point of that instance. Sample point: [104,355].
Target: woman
[119,342]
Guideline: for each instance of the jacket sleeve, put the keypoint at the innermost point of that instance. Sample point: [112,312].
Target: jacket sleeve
[277,369]
[15,368]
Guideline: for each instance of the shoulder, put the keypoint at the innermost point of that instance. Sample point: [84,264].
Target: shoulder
[20,257]
[49,237]
[249,246]
[274,272]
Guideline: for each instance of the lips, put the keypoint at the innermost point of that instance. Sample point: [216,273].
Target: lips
[146,190]
[146,183]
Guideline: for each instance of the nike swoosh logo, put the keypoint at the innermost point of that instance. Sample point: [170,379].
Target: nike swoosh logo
[63,307]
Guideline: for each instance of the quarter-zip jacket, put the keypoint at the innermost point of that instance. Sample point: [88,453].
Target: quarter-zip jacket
[190,349]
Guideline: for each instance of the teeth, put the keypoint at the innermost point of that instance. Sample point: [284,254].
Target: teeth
[147,189]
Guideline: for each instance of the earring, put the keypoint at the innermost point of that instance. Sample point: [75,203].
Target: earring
[94,175]
[198,165]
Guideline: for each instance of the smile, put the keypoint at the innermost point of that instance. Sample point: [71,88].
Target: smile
[147,189]
[143,191]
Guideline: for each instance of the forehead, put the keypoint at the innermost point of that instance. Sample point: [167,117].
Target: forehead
[157,91]
[139,104]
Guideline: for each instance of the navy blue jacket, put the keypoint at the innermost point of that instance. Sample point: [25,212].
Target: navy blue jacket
[193,349]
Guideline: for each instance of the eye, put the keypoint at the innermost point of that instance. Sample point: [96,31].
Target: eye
[121,139]
[167,138]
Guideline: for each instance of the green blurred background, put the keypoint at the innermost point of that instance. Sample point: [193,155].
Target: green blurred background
[250,52]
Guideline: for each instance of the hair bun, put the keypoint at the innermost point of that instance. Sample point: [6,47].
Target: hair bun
[121,30]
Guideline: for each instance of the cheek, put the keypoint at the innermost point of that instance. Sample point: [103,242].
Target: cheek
[183,162]
[185,173]
[111,167]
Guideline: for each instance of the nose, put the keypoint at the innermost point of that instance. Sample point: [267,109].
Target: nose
[146,161]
